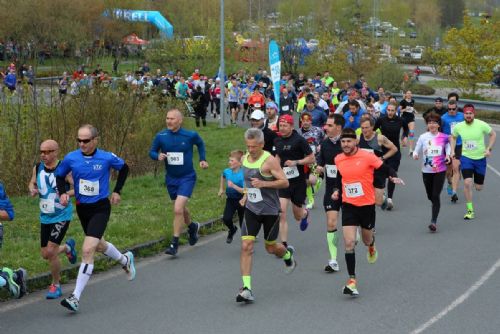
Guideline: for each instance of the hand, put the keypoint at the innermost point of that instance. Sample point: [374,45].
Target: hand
[64,199]
[335,195]
[243,201]
[220,193]
[115,198]
[351,119]
[230,184]
[162,156]
[404,142]
[203,164]
[415,156]
[447,160]
[487,153]
[256,183]
[291,163]
[320,169]
[33,192]
[396,180]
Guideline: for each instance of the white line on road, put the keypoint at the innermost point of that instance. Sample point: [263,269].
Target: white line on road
[459,300]
[493,170]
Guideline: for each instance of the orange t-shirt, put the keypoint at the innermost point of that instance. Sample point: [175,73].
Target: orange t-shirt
[357,177]
[257,99]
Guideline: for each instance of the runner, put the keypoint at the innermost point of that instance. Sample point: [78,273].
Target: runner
[449,121]
[233,96]
[293,153]
[434,147]
[358,200]
[90,168]
[233,179]
[174,146]
[54,217]
[408,115]
[263,176]
[474,153]
[390,126]
[329,149]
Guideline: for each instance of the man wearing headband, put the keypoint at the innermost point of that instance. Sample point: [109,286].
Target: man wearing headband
[474,153]
[294,153]
[358,199]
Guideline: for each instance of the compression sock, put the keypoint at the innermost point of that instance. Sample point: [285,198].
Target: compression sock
[115,254]
[309,194]
[470,206]
[247,282]
[331,236]
[82,279]
[350,260]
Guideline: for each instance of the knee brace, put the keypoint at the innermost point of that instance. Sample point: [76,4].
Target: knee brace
[411,134]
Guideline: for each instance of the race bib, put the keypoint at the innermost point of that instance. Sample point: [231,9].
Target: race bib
[313,148]
[264,85]
[217,96]
[353,190]
[47,205]
[89,188]
[254,195]
[452,126]
[285,108]
[368,150]
[434,151]
[331,171]
[291,172]
[257,105]
[470,145]
[175,158]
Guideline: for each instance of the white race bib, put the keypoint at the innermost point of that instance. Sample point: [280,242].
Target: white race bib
[291,172]
[434,151]
[254,195]
[175,158]
[257,105]
[331,171]
[470,145]
[47,205]
[368,150]
[89,188]
[264,85]
[353,190]
[285,108]
[217,96]
[313,148]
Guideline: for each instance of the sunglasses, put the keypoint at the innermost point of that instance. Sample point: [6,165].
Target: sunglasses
[84,141]
[452,108]
[47,151]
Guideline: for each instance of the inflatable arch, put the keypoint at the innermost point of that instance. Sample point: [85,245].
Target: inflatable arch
[153,17]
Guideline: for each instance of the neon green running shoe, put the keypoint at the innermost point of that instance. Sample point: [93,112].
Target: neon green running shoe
[469,215]
[12,286]
[372,254]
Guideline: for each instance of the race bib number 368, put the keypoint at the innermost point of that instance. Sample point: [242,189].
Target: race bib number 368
[89,188]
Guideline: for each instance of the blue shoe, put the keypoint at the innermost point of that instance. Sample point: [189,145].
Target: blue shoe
[54,292]
[193,233]
[22,276]
[130,267]
[304,222]
[171,250]
[71,255]
[449,189]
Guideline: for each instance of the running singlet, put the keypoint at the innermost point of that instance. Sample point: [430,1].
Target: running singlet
[261,201]
[357,177]
[91,173]
[234,94]
[472,138]
[179,149]
[237,178]
[371,145]
[434,149]
[449,122]
[326,157]
[50,210]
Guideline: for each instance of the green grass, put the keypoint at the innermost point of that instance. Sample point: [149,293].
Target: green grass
[144,214]
[441,84]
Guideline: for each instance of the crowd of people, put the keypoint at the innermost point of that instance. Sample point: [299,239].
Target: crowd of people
[349,139]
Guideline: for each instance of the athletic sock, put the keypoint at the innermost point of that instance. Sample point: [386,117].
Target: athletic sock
[115,254]
[309,194]
[350,260]
[331,237]
[470,206]
[287,258]
[82,279]
[247,282]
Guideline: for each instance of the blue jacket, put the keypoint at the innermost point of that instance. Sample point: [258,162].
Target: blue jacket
[5,203]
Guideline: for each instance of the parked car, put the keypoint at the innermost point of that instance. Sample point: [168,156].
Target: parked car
[402,34]
[379,33]
[416,54]
[413,34]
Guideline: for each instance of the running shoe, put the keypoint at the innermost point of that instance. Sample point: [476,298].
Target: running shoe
[12,286]
[291,263]
[310,205]
[245,295]
[449,189]
[22,275]
[304,222]
[350,288]
[390,205]
[432,227]
[383,206]
[372,254]
[332,267]
[171,250]
[54,292]
[71,303]
[454,198]
[410,154]
[130,266]
[230,234]
[71,255]
[193,233]
[469,215]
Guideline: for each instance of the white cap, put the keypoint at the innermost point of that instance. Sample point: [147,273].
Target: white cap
[257,114]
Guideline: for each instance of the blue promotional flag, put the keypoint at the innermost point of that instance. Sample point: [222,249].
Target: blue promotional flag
[275,66]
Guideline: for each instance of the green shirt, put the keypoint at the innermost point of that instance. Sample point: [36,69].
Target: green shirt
[472,138]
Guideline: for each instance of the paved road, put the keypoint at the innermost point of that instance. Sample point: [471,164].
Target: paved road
[420,279]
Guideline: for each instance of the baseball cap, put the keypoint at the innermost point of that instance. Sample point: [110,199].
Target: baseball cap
[257,114]
[286,119]
[438,99]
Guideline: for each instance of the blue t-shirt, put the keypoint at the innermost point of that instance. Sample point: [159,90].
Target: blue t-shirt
[90,173]
[319,117]
[51,211]
[357,118]
[5,203]
[237,178]
[179,149]
[449,122]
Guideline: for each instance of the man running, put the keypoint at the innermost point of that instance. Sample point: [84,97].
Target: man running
[263,176]
[474,153]
[174,146]
[358,200]
[54,217]
[90,168]
[293,153]
[329,149]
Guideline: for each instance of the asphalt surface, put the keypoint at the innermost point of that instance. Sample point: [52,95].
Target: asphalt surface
[445,282]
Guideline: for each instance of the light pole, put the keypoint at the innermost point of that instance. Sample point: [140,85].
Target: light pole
[222,85]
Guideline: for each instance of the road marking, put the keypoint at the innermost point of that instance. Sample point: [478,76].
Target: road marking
[459,300]
[493,170]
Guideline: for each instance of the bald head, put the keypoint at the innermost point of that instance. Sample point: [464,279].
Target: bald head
[49,150]
[49,145]
[174,120]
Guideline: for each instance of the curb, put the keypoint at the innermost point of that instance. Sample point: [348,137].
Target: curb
[41,281]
